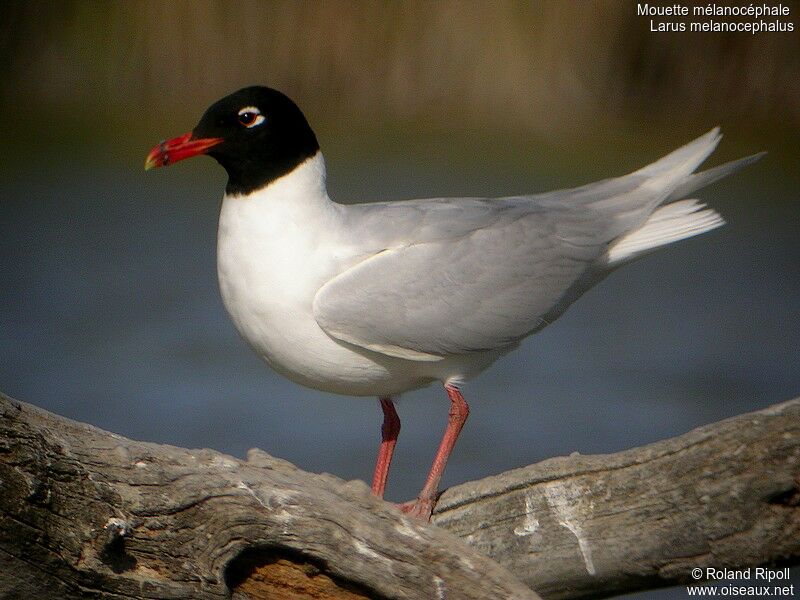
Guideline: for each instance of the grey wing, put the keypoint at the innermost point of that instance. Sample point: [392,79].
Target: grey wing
[456,277]
[481,291]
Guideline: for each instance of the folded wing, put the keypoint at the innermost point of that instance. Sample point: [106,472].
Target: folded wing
[482,276]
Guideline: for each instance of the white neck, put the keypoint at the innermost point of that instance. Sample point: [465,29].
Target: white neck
[302,186]
[292,208]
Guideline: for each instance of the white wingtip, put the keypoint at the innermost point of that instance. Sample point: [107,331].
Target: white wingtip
[695,181]
[690,155]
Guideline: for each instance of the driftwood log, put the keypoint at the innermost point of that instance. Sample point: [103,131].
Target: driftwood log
[89,514]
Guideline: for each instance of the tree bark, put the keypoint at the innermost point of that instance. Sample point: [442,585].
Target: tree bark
[86,513]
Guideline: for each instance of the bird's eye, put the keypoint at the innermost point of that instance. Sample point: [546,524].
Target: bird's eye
[250,116]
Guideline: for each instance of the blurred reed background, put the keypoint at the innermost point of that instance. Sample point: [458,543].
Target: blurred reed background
[109,309]
[547,67]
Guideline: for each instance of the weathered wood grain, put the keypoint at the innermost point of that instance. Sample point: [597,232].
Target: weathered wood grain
[85,513]
[724,495]
[89,514]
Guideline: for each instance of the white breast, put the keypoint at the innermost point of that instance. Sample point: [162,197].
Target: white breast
[276,247]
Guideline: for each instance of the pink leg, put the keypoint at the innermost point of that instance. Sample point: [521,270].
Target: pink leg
[422,507]
[389,433]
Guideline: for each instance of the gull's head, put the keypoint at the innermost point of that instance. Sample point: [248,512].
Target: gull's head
[257,134]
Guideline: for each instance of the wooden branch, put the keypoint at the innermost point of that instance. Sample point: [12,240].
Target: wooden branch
[724,495]
[84,512]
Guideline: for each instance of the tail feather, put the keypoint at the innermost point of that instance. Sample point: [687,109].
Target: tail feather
[676,221]
[670,217]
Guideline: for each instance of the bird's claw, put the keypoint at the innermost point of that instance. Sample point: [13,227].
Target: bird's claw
[419,508]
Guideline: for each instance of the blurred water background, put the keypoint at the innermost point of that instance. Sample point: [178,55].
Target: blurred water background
[109,308]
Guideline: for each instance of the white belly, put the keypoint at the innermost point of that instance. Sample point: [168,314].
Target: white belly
[270,265]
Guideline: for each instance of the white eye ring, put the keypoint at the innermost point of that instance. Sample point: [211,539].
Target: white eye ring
[250,111]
